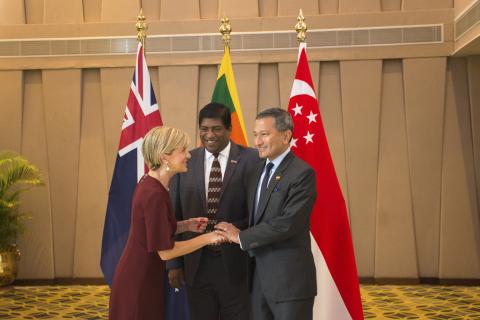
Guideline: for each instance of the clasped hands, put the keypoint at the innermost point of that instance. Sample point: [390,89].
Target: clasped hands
[223,232]
[227,231]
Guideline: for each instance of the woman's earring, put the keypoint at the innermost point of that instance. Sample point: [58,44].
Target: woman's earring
[167,167]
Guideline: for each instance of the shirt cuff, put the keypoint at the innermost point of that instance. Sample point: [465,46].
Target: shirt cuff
[240,242]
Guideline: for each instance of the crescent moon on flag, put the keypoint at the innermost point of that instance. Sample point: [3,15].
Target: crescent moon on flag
[301,87]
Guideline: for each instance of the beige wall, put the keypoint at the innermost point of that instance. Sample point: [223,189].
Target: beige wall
[404,133]
[462,5]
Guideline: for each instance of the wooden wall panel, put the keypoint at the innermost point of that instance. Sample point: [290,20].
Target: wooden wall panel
[395,252]
[291,8]
[330,103]
[153,71]
[12,12]
[268,90]
[92,181]
[459,245]
[179,97]
[268,8]
[246,77]
[426,4]
[61,94]
[206,84]
[207,77]
[461,6]
[238,9]
[286,75]
[120,10]
[151,9]
[36,244]
[357,6]
[179,10]
[33,11]
[391,5]
[61,11]
[424,85]
[11,101]
[361,84]
[209,9]
[328,6]
[92,10]
[115,84]
[315,73]
[474,85]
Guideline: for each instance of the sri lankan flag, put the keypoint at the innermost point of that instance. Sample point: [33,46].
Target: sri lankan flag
[225,92]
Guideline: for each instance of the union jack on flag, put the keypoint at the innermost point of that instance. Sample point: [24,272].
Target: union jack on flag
[141,114]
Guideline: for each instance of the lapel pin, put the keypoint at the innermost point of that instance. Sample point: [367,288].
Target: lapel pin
[233,161]
[277,178]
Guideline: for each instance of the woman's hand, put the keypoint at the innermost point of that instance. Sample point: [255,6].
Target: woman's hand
[197,225]
[216,237]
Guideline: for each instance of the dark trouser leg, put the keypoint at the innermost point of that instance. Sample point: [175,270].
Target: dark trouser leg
[293,310]
[212,296]
[264,309]
[260,308]
[234,301]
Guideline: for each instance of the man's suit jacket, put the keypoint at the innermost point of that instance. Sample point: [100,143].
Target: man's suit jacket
[279,238]
[189,200]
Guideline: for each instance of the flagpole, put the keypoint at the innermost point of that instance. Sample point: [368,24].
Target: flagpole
[225,91]
[301,27]
[142,28]
[225,29]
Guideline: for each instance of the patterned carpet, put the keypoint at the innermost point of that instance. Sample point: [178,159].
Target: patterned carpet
[379,302]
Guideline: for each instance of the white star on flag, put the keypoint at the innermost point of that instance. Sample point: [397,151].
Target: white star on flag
[308,137]
[293,143]
[297,109]
[311,117]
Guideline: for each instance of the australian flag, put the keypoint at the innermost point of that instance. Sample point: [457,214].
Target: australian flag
[141,115]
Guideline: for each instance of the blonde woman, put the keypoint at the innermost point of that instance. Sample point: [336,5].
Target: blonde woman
[137,289]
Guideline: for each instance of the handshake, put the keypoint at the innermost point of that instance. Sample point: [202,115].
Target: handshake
[214,233]
[220,232]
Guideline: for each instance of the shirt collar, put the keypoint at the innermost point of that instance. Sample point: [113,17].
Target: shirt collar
[224,153]
[276,162]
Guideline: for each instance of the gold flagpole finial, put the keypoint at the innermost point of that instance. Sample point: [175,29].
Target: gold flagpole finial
[301,27]
[225,30]
[142,28]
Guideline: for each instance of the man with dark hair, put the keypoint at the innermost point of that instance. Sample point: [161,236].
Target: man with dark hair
[281,194]
[215,111]
[215,187]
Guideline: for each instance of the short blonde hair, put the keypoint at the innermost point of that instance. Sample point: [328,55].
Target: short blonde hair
[160,141]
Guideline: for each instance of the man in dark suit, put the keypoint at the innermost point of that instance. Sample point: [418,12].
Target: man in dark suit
[215,187]
[281,194]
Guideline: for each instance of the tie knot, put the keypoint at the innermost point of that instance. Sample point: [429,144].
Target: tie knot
[269,167]
[215,155]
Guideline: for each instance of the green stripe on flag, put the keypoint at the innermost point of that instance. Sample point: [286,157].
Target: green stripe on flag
[221,94]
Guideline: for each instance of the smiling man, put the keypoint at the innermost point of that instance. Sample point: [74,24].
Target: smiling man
[214,187]
[281,194]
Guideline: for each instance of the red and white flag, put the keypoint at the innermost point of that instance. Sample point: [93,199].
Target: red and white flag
[338,290]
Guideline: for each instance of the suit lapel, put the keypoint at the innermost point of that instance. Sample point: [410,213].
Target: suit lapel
[252,191]
[232,162]
[276,177]
[199,169]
